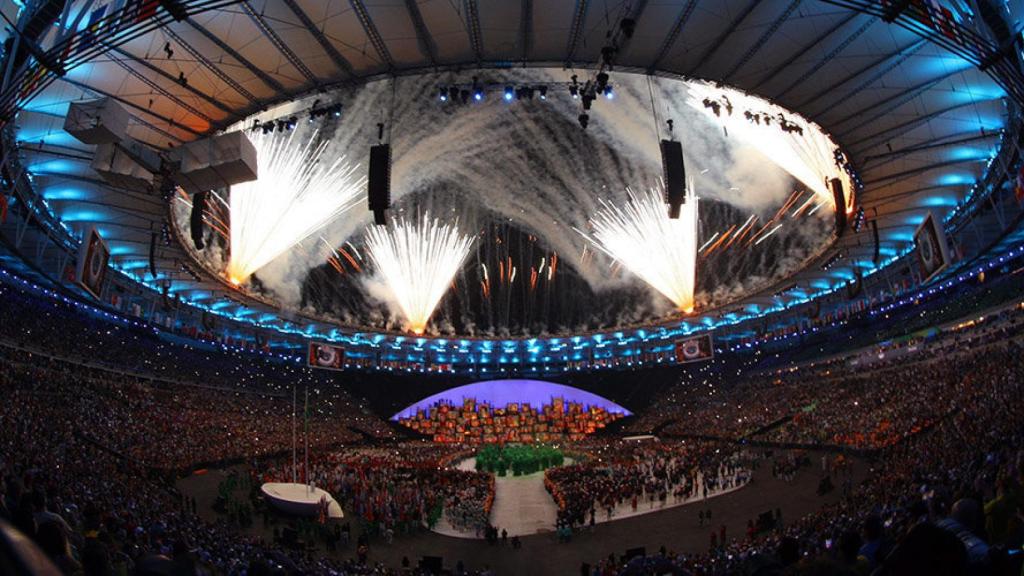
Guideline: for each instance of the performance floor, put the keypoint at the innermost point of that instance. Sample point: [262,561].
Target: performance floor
[676,528]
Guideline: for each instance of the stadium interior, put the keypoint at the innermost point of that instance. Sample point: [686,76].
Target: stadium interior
[495,287]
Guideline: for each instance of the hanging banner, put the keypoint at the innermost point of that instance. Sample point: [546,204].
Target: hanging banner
[93,256]
[932,252]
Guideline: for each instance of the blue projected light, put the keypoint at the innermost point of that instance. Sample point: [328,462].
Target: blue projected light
[65,194]
[956,179]
[939,202]
[81,216]
[54,167]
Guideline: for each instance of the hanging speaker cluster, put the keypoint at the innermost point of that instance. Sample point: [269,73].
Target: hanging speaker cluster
[674,175]
[379,182]
[840,198]
[196,219]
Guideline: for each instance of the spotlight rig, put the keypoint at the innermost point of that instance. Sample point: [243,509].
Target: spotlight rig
[477,92]
[600,85]
[316,112]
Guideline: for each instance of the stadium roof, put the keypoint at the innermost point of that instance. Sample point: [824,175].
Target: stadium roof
[918,119]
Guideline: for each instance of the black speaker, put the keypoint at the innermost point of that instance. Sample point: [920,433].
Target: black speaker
[152,254]
[675,176]
[874,233]
[196,219]
[432,564]
[379,188]
[840,198]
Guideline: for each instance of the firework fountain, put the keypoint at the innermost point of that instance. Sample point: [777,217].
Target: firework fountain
[417,261]
[299,190]
[659,250]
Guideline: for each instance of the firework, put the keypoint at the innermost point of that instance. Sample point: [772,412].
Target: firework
[298,192]
[807,155]
[659,250]
[417,261]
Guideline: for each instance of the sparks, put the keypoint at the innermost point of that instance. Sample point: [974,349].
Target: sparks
[298,192]
[417,261]
[658,249]
[809,156]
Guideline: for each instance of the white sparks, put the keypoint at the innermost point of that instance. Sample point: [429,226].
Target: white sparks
[710,240]
[765,237]
[417,261]
[658,249]
[297,193]
[816,208]
[809,157]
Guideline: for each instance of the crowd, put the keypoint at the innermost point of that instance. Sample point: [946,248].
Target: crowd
[867,400]
[947,498]
[611,476]
[135,416]
[93,417]
[398,489]
[40,327]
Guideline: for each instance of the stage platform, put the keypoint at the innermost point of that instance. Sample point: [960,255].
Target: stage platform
[299,499]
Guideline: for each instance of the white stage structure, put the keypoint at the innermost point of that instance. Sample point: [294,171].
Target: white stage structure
[300,499]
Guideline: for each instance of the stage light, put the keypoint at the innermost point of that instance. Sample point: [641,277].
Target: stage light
[478,95]
[442,94]
[543,92]
[291,123]
[608,93]
[508,93]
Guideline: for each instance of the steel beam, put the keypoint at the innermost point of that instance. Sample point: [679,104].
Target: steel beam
[320,38]
[763,39]
[279,43]
[371,32]
[673,35]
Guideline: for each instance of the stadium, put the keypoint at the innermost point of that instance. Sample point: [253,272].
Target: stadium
[482,287]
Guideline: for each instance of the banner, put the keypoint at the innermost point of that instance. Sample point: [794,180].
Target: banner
[932,253]
[327,356]
[695,349]
[93,256]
